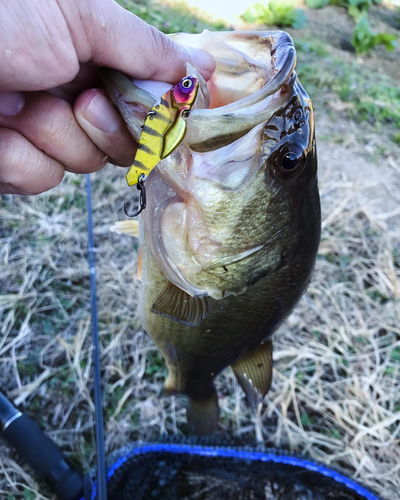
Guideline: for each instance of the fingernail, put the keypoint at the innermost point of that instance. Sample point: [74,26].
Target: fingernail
[11,103]
[202,59]
[100,113]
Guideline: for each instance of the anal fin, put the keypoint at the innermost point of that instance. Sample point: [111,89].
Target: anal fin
[175,303]
[254,373]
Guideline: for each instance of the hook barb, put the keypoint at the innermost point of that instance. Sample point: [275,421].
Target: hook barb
[141,185]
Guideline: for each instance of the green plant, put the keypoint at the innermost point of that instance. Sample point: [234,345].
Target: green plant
[364,38]
[317,4]
[376,101]
[277,13]
[171,18]
[355,7]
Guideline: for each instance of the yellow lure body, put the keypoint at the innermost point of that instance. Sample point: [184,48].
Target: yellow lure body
[164,128]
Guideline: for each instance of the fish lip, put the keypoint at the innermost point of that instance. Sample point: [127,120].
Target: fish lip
[283,55]
[209,129]
[117,85]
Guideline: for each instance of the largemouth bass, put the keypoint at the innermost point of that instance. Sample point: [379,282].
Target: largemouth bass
[231,229]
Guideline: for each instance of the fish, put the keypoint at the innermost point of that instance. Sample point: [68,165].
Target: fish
[229,237]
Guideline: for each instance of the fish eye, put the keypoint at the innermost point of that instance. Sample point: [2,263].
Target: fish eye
[289,161]
[187,83]
[185,114]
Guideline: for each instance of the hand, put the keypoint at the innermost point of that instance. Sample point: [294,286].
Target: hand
[51,117]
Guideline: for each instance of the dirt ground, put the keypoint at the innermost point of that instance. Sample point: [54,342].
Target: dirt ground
[335,394]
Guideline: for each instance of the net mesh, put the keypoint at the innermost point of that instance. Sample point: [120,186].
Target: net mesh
[176,471]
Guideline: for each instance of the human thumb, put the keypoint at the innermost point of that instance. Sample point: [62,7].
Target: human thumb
[120,40]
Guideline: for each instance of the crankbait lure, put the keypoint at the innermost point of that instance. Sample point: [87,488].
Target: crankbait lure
[164,128]
[162,132]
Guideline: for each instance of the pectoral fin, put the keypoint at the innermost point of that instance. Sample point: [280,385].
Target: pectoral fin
[139,271]
[130,227]
[254,373]
[178,305]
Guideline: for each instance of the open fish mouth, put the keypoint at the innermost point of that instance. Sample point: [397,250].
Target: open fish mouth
[251,67]
[250,119]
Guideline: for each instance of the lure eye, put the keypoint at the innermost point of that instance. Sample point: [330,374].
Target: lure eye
[187,83]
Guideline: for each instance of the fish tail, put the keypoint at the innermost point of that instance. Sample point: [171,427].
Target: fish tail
[203,414]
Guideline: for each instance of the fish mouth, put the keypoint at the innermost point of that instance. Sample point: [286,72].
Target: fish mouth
[252,68]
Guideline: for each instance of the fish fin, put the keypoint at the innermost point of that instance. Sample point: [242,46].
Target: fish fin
[175,303]
[130,227]
[167,391]
[203,414]
[254,373]
[171,384]
[139,265]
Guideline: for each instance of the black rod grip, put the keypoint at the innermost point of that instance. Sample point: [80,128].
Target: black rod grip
[40,452]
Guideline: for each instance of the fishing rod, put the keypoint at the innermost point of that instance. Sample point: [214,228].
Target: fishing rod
[101,456]
[41,453]
[32,444]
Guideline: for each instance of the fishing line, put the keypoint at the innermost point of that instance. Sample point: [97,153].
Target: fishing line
[101,457]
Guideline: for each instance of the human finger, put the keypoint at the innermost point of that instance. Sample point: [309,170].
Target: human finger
[49,123]
[118,39]
[24,169]
[105,127]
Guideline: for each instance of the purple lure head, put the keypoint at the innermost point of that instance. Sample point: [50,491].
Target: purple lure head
[185,90]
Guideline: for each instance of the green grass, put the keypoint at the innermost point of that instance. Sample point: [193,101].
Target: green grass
[342,343]
[171,19]
[364,38]
[375,101]
[276,13]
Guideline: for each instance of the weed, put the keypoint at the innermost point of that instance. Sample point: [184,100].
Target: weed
[338,352]
[364,38]
[313,46]
[395,355]
[276,13]
[316,4]
[171,18]
[376,102]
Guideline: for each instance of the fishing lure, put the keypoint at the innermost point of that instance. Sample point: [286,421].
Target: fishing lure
[162,132]
[164,128]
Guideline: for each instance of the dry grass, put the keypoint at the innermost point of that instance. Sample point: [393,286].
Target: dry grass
[336,384]
[335,393]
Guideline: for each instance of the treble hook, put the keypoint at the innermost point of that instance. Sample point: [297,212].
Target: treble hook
[141,185]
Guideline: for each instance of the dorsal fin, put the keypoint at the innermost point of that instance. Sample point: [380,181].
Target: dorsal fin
[175,303]
[254,373]
[130,227]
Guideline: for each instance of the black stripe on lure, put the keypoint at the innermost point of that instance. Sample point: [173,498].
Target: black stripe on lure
[162,132]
